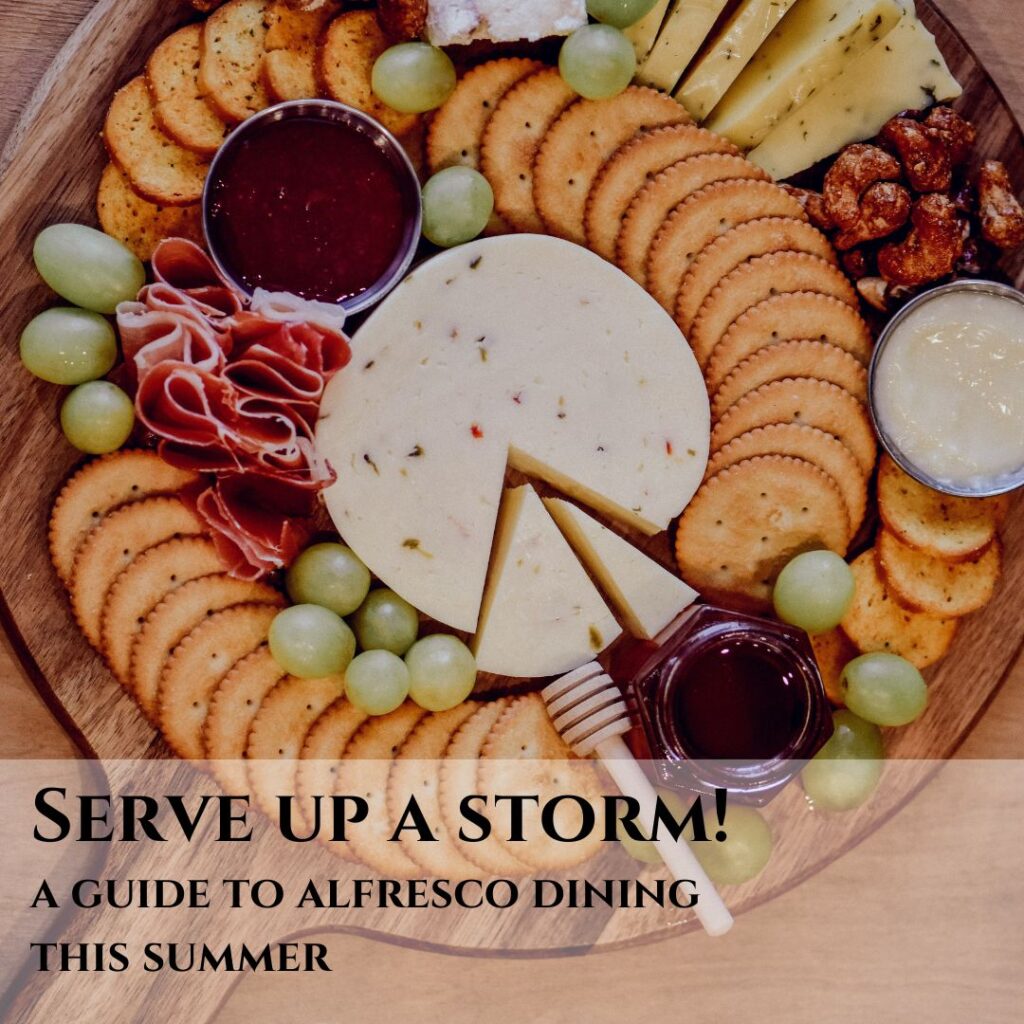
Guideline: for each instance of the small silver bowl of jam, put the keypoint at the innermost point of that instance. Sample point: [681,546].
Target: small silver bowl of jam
[946,388]
[314,198]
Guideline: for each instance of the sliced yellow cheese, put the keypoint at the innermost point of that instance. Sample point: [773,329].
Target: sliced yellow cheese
[709,79]
[646,595]
[542,615]
[816,42]
[643,33]
[682,35]
[523,349]
[905,71]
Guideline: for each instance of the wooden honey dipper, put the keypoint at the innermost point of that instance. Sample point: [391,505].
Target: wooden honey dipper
[588,710]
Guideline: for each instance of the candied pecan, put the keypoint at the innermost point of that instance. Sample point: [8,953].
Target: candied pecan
[884,209]
[402,19]
[856,264]
[814,206]
[1002,217]
[931,249]
[922,151]
[958,134]
[856,169]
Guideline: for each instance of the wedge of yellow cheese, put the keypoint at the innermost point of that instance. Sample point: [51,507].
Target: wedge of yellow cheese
[814,43]
[687,26]
[542,616]
[643,33]
[645,594]
[709,79]
[905,71]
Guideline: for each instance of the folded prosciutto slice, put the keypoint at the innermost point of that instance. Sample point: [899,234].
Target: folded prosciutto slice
[231,387]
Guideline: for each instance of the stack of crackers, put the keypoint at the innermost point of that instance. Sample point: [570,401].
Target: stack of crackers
[754,287]
[189,643]
[164,126]
[936,559]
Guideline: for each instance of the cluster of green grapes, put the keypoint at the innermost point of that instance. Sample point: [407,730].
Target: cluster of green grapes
[814,592]
[312,638]
[597,61]
[76,345]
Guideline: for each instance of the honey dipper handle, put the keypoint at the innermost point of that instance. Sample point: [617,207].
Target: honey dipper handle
[711,911]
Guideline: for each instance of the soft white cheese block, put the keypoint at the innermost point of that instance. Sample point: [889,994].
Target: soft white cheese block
[905,71]
[451,22]
[728,54]
[645,594]
[815,42]
[685,29]
[643,33]
[522,348]
[542,615]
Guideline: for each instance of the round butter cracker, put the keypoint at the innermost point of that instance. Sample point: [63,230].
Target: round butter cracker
[796,315]
[511,139]
[631,167]
[100,486]
[814,403]
[876,621]
[833,651]
[758,279]
[749,520]
[706,215]
[578,145]
[653,204]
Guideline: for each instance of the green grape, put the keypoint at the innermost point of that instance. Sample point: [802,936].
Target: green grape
[97,417]
[884,688]
[386,622]
[87,267]
[377,682]
[413,77]
[65,345]
[311,642]
[814,591]
[597,61]
[744,852]
[620,13]
[457,204]
[846,770]
[442,672]
[643,849]
[329,575]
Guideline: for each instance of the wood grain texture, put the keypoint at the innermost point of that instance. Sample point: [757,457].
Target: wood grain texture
[30,419]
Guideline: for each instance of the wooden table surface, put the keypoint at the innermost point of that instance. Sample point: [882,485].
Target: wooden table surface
[826,952]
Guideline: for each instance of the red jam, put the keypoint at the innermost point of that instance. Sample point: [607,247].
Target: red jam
[307,205]
[728,701]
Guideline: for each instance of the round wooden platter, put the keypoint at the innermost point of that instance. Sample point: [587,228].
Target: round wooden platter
[50,169]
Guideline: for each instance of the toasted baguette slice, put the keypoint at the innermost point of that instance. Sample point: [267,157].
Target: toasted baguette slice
[172,74]
[350,47]
[158,168]
[138,223]
[289,67]
[231,62]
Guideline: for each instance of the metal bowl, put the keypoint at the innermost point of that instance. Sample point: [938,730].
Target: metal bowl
[1006,483]
[328,110]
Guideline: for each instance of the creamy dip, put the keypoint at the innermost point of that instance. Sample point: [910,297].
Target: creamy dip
[948,388]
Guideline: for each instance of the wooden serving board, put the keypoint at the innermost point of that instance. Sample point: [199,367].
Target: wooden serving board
[50,168]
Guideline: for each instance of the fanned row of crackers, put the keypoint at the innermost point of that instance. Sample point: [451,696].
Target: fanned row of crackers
[754,287]
[164,126]
[189,643]
[936,558]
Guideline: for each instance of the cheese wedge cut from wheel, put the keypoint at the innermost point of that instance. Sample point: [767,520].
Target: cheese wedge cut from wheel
[542,616]
[645,594]
[709,79]
[520,349]
[905,71]
[644,32]
[685,29]
[813,44]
